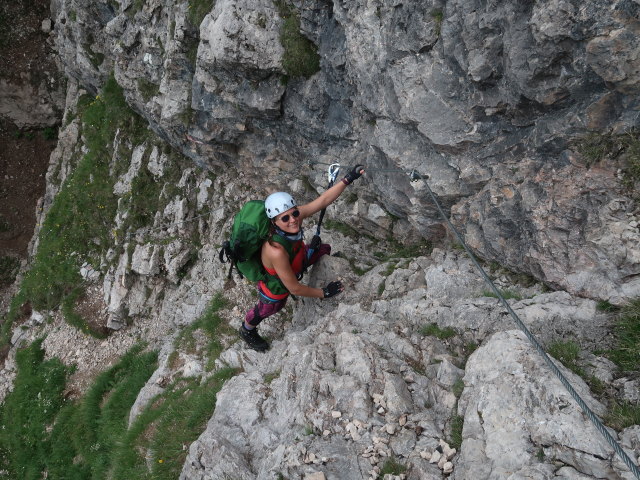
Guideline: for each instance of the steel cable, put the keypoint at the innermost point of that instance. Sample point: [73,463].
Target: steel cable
[592,416]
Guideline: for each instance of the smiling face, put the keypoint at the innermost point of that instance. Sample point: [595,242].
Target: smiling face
[289,221]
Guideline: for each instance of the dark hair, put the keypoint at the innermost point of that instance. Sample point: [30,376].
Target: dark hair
[272,231]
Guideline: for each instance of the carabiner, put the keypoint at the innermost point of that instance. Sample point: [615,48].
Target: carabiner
[334,168]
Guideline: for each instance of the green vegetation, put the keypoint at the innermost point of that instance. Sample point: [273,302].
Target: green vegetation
[624,148]
[341,227]
[77,226]
[457,422]
[5,226]
[398,250]
[41,431]
[393,467]
[300,57]
[626,354]
[433,330]
[96,58]
[438,17]
[605,306]
[623,415]
[153,448]
[458,387]
[50,133]
[507,294]
[148,90]
[567,353]
[198,9]
[212,325]
[270,377]
[8,270]
[27,413]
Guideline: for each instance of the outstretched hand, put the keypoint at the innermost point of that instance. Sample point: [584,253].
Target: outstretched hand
[332,289]
[355,173]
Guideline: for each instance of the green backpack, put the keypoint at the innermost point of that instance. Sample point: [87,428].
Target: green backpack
[249,232]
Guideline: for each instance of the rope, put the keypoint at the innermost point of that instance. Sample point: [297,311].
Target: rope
[594,419]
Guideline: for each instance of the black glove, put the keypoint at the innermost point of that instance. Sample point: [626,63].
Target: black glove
[354,174]
[315,243]
[332,289]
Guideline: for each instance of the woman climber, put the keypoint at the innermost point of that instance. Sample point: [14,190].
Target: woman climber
[285,257]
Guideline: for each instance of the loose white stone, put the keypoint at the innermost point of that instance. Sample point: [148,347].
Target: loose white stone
[442,461]
[381,411]
[336,414]
[425,455]
[390,429]
[447,467]
[326,433]
[435,457]
[402,420]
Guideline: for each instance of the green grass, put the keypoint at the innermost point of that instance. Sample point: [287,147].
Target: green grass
[41,431]
[567,353]
[28,412]
[433,330]
[50,133]
[393,467]
[198,9]
[623,415]
[77,226]
[458,387]
[147,89]
[300,57]
[270,377]
[624,148]
[437,16]
[455,441]
[605,306]
[212,325]
[626,353]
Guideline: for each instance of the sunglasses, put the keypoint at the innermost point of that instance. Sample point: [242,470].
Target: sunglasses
[285,218]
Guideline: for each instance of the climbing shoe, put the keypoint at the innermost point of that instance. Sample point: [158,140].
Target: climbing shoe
[253,339]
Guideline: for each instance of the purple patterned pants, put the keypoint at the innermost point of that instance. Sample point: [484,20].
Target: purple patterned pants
[267,306]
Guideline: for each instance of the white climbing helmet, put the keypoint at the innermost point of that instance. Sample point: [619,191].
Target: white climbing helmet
[278,202]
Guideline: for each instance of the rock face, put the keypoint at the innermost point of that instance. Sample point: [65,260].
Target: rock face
[347,386]
[487,98]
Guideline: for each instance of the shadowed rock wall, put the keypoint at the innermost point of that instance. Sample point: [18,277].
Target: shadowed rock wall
[486,97]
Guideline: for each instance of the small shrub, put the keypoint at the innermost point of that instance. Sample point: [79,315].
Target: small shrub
[433,330]
[438,17]
[381,288]
[300,57]
[393,467]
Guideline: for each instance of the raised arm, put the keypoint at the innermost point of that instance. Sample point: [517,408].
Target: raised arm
[331,194]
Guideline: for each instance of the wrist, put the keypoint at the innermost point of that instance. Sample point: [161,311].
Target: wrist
[345,181]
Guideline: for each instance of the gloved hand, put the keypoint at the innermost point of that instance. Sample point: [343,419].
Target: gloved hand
[315,243]
[332,289]
[354,174]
